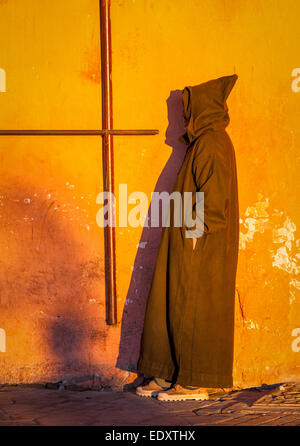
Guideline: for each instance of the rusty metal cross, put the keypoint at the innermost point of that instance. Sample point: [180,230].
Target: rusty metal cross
[108,159]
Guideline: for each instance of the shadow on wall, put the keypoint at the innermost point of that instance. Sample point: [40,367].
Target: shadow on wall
[135,304]
[47,281]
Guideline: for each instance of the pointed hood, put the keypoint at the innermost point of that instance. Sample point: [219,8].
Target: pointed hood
[205,107]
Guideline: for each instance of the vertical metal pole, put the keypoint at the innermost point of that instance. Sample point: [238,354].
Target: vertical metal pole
[108,161]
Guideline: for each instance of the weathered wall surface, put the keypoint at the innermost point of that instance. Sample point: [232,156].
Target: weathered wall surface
[51,268]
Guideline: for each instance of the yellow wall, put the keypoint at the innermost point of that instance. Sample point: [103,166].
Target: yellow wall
[51,268]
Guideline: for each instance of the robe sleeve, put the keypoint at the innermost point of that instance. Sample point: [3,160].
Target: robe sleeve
[211,176]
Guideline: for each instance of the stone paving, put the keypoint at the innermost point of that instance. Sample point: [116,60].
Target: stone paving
[275,405]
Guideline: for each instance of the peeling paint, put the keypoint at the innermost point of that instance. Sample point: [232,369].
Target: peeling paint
[70,186]
[256,220]
[250,325]
[294,286]
[285,234]
[283,261]
[285,257]
[277,213]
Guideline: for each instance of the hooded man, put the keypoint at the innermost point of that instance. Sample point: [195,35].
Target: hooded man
[187,341]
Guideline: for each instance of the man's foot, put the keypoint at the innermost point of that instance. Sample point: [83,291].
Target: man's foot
[180,393]
[151,389]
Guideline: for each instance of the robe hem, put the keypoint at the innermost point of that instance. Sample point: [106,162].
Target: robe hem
[186,378]
[164,372]
[204,380]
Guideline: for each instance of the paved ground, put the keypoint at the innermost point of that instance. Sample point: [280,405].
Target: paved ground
[277,405]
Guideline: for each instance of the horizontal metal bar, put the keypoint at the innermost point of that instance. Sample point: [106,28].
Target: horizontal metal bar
[76,132]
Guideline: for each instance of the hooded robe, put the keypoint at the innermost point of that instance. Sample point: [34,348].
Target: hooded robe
[188,330]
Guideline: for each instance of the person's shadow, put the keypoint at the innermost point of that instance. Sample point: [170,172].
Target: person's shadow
[135,304]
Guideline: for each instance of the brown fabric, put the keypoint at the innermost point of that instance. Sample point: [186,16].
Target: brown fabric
[189,321]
